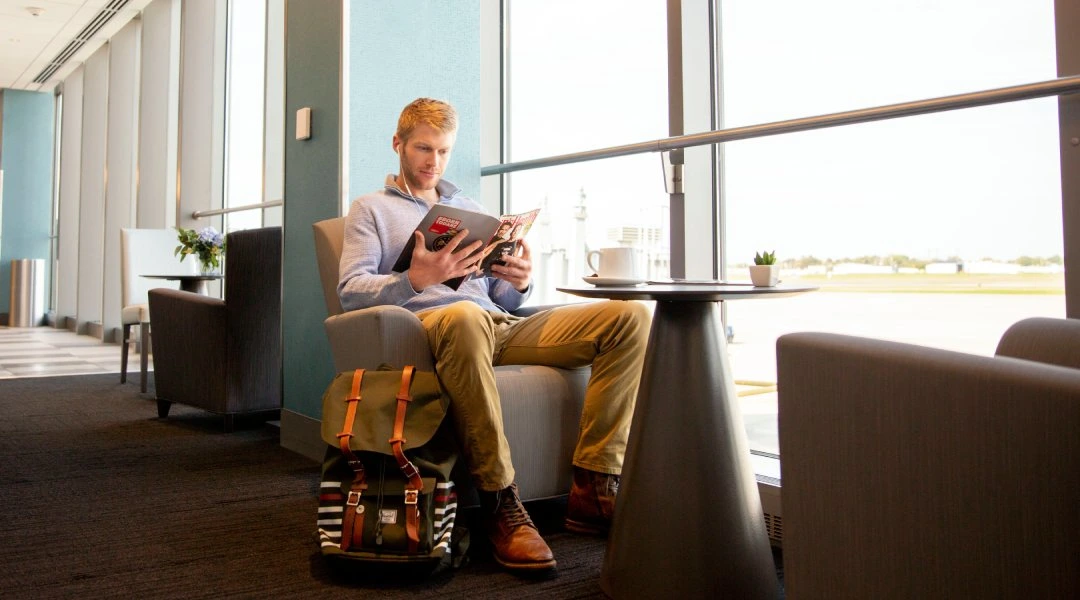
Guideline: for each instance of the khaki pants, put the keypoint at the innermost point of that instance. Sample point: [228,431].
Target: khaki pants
[468,342]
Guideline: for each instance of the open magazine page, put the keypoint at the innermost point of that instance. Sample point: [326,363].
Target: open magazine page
[512,228]
[443,222]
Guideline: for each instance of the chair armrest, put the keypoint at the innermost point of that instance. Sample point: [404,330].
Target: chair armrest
[369,337]
[189,343]
[912,468]
[381,334]
[1042,339]
[187,316]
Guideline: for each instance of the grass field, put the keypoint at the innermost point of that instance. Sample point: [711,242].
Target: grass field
[921,283]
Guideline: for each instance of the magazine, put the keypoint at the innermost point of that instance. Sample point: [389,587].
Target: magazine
[499,234]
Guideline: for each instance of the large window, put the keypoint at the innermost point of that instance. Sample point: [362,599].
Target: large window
[54,233]
[940,229]
[585,75]
[245,112]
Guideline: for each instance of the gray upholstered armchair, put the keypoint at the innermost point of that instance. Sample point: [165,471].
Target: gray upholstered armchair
[911,472]
[224,356]
[541,405]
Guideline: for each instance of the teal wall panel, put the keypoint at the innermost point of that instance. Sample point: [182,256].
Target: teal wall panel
[26,157]
[312,168]
[431,49]
[397,52]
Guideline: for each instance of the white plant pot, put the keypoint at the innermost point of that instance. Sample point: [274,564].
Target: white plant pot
[765,275]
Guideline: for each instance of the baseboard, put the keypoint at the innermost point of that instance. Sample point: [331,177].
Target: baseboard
[5,318]
[93,329]
[302,434]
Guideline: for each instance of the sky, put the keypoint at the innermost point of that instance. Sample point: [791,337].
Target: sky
[977,183]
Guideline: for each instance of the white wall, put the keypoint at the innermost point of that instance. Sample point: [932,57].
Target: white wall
[92,189]
[202,104]
[159,84]
[121,153]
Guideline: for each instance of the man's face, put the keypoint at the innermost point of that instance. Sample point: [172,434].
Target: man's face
[424,156]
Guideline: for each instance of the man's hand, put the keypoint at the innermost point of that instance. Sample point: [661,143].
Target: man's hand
[429,268]
[518,269]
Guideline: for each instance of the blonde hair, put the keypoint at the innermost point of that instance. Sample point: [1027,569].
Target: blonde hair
[436,113]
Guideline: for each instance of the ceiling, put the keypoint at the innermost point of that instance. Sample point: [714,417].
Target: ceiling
[28,43]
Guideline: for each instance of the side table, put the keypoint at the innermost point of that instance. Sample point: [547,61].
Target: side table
[688,522]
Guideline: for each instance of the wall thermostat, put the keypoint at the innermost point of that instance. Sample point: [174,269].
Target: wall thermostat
[303,123]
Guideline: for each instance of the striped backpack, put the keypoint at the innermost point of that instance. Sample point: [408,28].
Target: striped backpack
[385,496]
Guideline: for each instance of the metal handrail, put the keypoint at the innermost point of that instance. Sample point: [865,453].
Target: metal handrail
[221,211]
[1053,87]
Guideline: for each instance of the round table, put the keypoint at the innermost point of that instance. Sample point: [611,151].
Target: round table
[688,522]
[190,283]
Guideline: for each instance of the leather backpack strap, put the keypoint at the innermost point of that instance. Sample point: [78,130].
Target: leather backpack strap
[352,525]
[397,443]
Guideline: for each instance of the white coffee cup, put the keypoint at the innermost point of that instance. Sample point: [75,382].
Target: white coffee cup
[614,263]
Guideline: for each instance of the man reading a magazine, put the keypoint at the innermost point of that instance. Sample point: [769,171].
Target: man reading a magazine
[471,330]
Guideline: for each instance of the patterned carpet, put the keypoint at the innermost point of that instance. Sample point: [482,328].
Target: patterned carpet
[104,500]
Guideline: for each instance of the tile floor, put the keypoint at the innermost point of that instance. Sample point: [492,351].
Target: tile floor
[44,351]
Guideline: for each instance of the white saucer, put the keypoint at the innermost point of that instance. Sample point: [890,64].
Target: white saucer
[613,281]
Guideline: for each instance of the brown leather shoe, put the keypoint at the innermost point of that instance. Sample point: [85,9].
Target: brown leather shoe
[515,541]
[592,502]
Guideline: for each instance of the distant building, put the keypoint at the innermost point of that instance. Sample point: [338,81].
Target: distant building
[861,269]
[990,267]
[943,268]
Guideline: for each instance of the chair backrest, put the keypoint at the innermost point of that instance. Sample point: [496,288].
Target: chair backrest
[149,251]
[253,313]
[910,471]
[1043,339]
[329,238]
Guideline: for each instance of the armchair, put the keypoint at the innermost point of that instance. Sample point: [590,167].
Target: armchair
[224,356]
[541,405]
[144,251]
[912,472]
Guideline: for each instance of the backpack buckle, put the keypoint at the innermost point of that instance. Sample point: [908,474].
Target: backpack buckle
[409,470]
[353,499]
[411,496]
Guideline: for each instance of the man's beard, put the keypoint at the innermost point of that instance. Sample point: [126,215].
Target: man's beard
[410,174]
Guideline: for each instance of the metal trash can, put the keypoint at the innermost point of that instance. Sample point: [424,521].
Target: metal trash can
[27,308]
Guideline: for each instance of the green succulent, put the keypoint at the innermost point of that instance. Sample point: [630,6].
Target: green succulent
[765,258]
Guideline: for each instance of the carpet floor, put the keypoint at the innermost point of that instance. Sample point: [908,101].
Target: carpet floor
[102,499]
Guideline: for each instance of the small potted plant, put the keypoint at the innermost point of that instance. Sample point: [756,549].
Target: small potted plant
[765,272]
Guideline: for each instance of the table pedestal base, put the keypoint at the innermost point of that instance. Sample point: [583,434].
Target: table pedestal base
[688,521]
[196,286]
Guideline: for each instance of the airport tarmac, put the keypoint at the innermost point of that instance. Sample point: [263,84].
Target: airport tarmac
[961,322]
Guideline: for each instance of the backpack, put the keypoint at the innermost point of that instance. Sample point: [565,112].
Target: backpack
[385,496]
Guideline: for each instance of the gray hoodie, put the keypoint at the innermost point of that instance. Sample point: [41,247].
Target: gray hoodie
[377,228]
